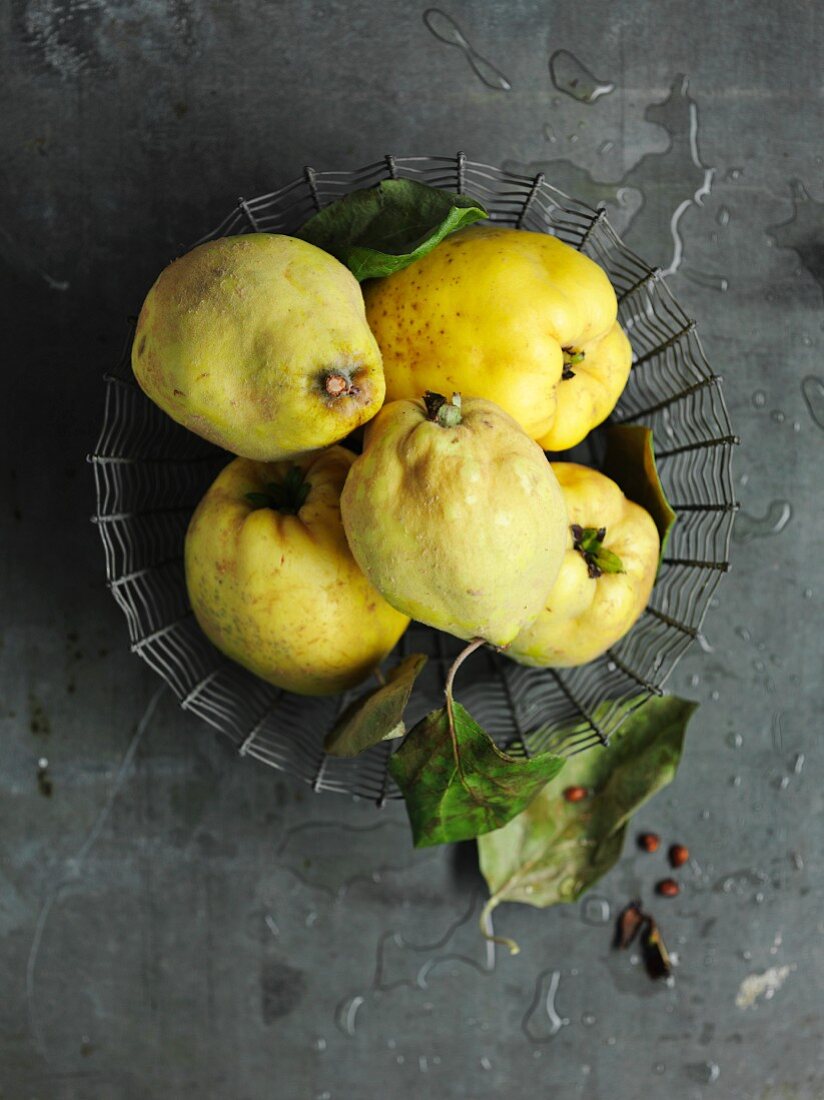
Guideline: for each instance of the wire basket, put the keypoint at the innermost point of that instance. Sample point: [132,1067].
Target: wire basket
[150,474]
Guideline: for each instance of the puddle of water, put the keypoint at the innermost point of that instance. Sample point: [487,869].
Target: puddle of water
[802,231]
[812,390]
[775,519]
[662,189]
[443,27]
[570,75]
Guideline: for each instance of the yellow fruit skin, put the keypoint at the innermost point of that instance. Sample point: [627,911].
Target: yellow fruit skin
[236,340]
[487,313]
[462,528]
[587,399]
[281,594]
[584,616]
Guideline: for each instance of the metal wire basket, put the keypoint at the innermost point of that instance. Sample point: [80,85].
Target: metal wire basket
[150,473]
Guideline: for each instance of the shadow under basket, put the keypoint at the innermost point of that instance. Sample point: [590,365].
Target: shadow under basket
[150,474]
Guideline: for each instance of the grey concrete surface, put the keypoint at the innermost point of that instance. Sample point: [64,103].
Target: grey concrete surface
[175,922]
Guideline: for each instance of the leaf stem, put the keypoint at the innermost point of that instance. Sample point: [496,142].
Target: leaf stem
[485,923]
[467,651]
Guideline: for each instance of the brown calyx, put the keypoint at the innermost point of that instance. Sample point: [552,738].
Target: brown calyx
[337,385]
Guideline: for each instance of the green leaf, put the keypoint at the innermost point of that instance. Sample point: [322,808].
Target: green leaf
[448,802]
[377,716]
[630,461]
[383,229]
[607,561]
[556,850]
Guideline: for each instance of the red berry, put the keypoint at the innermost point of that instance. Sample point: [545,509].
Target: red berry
[576,794]
[678,855]
[650,842]
[668,888]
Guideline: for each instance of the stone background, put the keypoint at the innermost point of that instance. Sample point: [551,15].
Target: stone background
[176,922]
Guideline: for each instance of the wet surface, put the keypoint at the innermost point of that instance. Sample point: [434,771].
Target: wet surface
[178,922]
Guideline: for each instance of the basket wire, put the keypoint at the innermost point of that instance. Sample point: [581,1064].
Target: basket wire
[150,473]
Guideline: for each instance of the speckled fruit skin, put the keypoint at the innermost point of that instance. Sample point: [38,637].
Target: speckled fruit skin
[282,594]
[462,527]
[488,313]
[237,338]
[583,616]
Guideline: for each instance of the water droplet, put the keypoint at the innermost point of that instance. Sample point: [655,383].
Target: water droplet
[715,696]
[705,815]
[571,76]
[660,1068]
[812,389]
[723,216]
[705,278]
[701,638]
[605,147]
[485,1063]
[759,399]
[734,174]
[347,1012]
[423,1065]
[735,740]
[778,416]
[588,1019]
[748,527]
[611,1041]
[400,1059]
[808,593]
[320,1043]
[759,898]
[595,910]
[549,133]
[586,1070]
[695,680]
[541,1021]
[796,425]
[713,1072]
[446,30]
[798,764]
[797,861]
[783,783]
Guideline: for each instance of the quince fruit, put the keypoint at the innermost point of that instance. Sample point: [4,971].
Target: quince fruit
[455,516]
[260,344]
[273,583]
[606,578]
[519,318]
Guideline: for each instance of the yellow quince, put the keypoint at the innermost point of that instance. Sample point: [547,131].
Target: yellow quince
[456,517]
[606,577]
[519,318]
[260,344]
[273,583]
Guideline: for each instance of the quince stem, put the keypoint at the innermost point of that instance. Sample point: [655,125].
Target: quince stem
[444,413]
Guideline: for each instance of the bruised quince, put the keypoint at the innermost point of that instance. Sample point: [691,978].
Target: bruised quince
[606,577]
[273,583]
[456,517]
[260,344]
[519,318]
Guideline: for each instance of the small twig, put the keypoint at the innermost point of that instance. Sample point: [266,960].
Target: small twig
[476,643]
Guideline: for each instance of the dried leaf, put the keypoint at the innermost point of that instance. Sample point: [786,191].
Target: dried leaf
[630,461]
[555,850]
[377,716]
